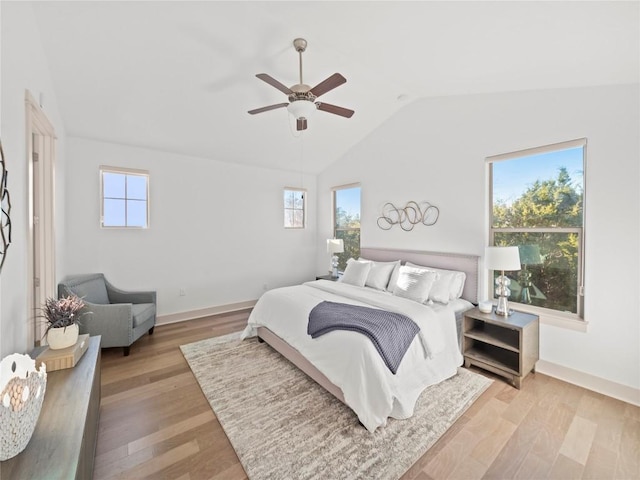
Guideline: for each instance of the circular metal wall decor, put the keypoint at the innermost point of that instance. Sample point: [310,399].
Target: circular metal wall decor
[408,217]
[5,205]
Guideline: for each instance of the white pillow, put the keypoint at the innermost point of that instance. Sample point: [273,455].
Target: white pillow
[393,281]
[379,274]
[356,272]
[440,291]
[414,283]
[450,280]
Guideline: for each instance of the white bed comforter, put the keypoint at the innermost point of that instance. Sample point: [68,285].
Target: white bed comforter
[349,359]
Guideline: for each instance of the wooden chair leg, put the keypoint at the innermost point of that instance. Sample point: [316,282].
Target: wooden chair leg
[126,351]
[151,330]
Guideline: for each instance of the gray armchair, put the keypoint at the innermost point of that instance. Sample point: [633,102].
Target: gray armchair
[121,317]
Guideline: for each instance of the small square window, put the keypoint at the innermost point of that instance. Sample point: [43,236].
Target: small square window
[124,198]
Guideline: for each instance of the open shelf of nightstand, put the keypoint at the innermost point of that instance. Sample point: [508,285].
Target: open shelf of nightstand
[507,346]
[496,336]
[495,358]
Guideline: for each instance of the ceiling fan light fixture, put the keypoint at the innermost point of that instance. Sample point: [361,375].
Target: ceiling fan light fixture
[302,98]
[301,108]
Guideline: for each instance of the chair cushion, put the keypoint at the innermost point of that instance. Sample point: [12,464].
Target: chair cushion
[93,291]
[142,312]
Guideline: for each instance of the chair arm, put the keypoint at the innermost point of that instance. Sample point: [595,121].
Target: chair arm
[113,322]
[117,295]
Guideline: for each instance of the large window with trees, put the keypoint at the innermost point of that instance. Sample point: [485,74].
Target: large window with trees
[537,204]
[346,221]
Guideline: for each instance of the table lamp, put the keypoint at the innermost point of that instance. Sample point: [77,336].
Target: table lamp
[334,246]
[502,258]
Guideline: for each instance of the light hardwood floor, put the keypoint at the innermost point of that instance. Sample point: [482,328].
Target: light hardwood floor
[156,423]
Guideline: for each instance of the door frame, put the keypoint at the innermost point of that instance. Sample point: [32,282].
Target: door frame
[42,257]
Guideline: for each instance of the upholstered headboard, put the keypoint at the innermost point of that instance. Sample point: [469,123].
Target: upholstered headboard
[449,261]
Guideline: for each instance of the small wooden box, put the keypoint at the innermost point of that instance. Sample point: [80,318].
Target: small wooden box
[64,357]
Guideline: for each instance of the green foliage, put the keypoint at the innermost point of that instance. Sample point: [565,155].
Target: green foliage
[348,229]
[546,204]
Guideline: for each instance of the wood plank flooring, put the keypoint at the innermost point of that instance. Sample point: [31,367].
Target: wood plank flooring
[155,423]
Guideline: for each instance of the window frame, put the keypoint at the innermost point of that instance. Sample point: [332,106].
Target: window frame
[334,226]
[124,171]
[304,207]
[560,318]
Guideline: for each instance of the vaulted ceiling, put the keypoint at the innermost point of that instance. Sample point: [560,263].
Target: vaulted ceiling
[180,76]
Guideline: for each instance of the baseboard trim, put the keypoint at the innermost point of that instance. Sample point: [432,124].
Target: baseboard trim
[203,312]
[590,382]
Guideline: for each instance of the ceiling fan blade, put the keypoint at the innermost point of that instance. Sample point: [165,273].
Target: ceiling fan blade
[327,107]
[274,83]
[330,83]
[266,109]
[301,124]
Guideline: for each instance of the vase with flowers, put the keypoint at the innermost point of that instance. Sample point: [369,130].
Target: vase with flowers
[62,316]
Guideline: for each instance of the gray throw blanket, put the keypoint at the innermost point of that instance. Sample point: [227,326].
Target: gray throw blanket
[391,333]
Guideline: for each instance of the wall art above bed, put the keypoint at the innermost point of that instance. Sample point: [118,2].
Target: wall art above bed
[5,203]
[412,214]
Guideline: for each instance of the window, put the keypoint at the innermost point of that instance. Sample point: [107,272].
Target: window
[537,204]
[346,221]
[124,198]
[294,207]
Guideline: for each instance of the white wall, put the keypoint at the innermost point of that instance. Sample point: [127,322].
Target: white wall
[23,67]
[216,228]
[434,150]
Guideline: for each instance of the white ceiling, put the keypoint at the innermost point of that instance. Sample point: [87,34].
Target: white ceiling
[179,76]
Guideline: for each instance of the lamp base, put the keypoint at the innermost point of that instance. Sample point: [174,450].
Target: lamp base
[334,266]
[502,308]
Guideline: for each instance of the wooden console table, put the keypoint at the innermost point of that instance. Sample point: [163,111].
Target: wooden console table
[64,442]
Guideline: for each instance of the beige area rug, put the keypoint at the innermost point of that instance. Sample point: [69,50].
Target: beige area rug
[283,425]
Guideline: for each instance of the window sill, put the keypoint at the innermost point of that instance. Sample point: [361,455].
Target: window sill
[569,321]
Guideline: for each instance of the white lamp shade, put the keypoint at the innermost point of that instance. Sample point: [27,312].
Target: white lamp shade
[335,245]
[502,258]
[301,108]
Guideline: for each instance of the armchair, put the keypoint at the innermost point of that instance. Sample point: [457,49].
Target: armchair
[120,316]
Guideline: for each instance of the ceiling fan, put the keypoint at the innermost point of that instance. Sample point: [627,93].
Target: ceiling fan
[302,98]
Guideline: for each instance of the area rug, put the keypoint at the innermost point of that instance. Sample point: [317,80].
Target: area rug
[283,425]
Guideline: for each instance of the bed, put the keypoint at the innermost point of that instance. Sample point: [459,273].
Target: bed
[346,363]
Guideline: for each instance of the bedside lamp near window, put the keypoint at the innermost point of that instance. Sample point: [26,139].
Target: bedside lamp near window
[502,258]
[334,246]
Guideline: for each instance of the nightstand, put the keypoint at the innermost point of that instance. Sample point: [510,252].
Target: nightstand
[328,277]
[506,346]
